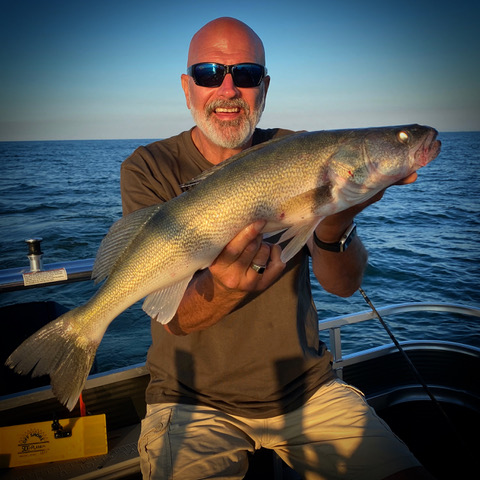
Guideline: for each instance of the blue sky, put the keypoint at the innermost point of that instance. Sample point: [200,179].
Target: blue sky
[111,68]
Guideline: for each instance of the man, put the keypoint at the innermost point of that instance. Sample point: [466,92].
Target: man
[240,366]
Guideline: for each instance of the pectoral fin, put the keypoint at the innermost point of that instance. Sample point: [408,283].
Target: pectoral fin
[163,304]
[304,212]
[299,235]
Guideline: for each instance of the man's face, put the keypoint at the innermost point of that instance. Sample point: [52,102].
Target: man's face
[226,115]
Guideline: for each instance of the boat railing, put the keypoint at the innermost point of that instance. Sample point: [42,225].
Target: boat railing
[81,270]
[334,325]
[20,278]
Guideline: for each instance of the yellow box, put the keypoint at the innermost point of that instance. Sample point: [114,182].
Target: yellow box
[36,442]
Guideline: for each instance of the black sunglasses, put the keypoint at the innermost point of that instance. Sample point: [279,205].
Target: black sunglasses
[211,75]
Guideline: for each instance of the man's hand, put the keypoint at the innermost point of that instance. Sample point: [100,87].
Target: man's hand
[217,290]
[232,269]
[342,273]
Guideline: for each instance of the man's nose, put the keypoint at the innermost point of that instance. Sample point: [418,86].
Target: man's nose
[228,89]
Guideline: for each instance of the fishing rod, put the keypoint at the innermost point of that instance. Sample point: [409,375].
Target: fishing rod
[415,371]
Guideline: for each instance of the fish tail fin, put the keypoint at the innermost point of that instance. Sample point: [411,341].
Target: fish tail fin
[62,353]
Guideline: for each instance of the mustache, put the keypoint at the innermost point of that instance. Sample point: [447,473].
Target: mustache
[234,103]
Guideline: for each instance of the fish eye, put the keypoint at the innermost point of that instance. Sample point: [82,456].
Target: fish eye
[403,136]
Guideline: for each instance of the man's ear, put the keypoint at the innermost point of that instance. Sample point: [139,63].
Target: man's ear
[266,82]
[186,89]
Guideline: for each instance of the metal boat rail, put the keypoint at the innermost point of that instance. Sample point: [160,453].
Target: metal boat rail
[334,324]
[12,279]
[20,278]
[36,274]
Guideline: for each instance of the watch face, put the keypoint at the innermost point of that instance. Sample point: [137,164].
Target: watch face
[347,238]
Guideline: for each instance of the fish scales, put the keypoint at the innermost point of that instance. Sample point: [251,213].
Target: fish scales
[292,183]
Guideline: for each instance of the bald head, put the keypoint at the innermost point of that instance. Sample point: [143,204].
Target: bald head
[228,41]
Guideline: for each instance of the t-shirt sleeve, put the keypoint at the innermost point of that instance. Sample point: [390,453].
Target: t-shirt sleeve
[151,175]
[136,185]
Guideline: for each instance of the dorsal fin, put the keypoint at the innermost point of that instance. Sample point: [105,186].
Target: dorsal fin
[118,238]
[196,180]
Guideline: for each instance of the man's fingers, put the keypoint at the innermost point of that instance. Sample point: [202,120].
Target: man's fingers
[274,267]
[410,179]
[246,242]
[260,261]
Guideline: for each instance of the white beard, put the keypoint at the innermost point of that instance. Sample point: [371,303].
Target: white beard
[229,134]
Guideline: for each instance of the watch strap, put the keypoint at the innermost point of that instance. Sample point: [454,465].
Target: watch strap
[341,245]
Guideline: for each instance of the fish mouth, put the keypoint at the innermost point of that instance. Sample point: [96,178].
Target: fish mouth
[428,149]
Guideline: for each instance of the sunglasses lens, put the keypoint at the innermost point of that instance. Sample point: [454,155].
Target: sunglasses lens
[211,75]
[247,75]
[208,74]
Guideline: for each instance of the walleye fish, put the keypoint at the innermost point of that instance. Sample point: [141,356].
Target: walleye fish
[292,183]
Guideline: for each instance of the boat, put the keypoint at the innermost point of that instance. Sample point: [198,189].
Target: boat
[433,407]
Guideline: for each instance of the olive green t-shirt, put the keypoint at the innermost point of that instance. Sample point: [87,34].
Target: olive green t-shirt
[265,357]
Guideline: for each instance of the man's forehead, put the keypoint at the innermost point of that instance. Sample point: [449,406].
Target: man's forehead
[224,52]
[225,45]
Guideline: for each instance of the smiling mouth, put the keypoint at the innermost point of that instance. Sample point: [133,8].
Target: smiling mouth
[227,110]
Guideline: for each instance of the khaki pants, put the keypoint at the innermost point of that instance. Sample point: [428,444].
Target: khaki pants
[335,435]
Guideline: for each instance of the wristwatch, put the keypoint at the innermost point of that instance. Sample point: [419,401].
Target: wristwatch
[340,246]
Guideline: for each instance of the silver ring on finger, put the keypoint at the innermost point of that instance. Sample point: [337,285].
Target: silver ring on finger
[258,268]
